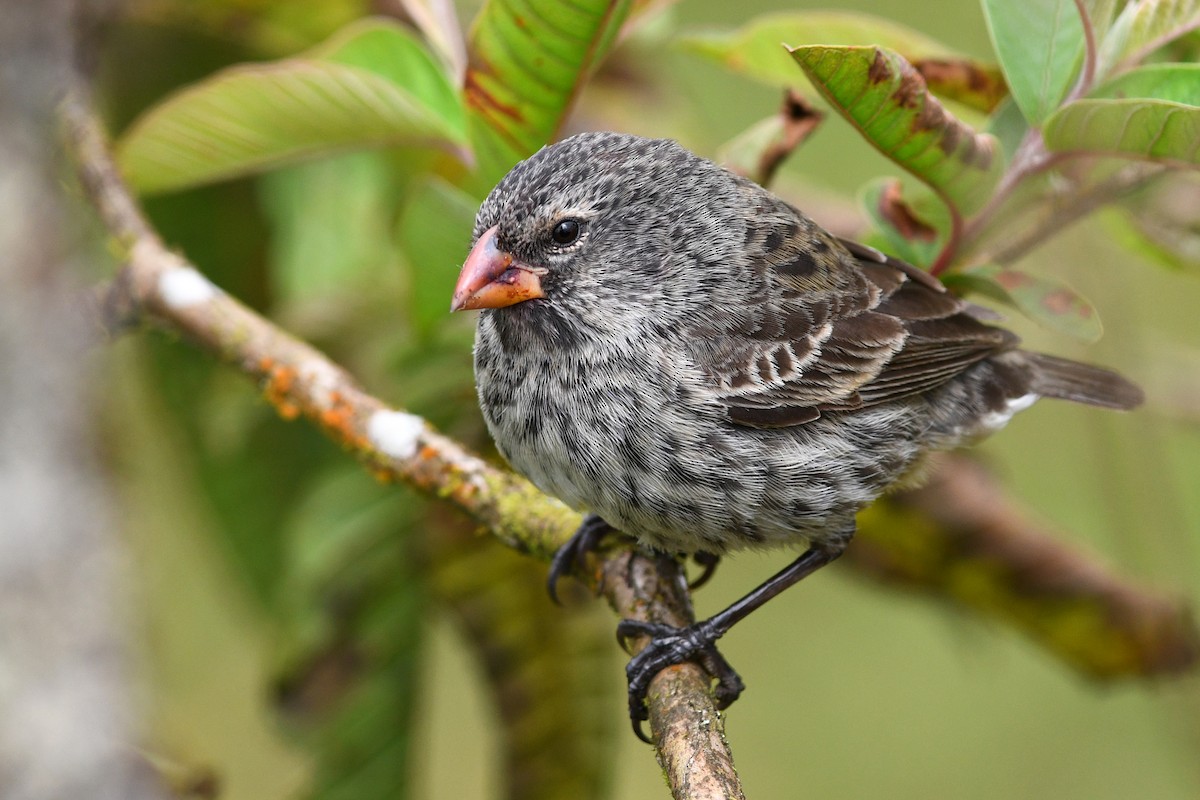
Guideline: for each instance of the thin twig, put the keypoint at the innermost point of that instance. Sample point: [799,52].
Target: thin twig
[1087,75]
[1082,203]
[982,552]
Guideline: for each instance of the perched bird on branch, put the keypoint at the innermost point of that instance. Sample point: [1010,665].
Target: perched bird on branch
[694,362]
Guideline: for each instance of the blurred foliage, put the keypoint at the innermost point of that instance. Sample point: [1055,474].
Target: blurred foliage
[332,162]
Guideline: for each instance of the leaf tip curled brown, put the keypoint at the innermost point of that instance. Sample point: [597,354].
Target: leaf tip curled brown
[798,120]
[903,218]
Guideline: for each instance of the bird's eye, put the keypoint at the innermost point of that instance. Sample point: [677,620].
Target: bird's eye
[566,232]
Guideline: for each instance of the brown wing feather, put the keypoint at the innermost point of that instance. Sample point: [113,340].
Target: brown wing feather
[839,326]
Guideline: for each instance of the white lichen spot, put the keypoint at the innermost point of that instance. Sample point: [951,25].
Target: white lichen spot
[395,433]
[183,287]
[322,379]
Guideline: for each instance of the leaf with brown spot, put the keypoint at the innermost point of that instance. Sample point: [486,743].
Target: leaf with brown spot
[974,84]
[883,96]
[1043,299]
[527,61]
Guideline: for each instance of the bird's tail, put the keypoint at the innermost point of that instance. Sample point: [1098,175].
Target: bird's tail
[1083,383]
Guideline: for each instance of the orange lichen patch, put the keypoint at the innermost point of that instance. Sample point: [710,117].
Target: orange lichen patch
[339,418]
[280,384]
[382,474]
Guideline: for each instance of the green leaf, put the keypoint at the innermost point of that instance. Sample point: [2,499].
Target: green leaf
[1144,26]
[348,252]
[528,60]
[1040,44]
[249,118]
[757,48]
[355,603]
[1047,301]
[1153,129]
[434,234]
[389,50]
[886,99]
[1176,83]
[548,668]
[1009,127]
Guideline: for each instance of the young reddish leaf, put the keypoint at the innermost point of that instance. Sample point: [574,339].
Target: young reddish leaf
[886,99]
[1047,301]
[1153,129]
[527,61]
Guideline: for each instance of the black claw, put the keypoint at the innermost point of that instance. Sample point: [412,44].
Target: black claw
[708,561]
[570,556]
[669,646]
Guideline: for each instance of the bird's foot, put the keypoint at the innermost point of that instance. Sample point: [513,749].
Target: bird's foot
[669,646]
[569,557]
[708,564]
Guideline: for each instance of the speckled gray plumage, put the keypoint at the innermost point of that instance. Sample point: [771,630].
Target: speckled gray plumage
[710,370]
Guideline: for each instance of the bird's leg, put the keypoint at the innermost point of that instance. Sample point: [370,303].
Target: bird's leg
[586,539]
[708,563]
[670,645]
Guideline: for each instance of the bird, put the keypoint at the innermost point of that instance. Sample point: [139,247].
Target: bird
[695,363]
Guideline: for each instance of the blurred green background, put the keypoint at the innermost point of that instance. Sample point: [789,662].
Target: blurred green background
[263,557]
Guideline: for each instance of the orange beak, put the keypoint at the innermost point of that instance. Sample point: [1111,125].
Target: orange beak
[492,278]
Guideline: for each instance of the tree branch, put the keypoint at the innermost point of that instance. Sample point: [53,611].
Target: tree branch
[959,538]
[163,289]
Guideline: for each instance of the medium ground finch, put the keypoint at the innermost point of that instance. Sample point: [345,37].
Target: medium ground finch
[694,362]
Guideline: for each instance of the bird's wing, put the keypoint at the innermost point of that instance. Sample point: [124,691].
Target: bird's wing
[831,325]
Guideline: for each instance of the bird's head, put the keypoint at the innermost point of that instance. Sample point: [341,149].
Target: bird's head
[585,228]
